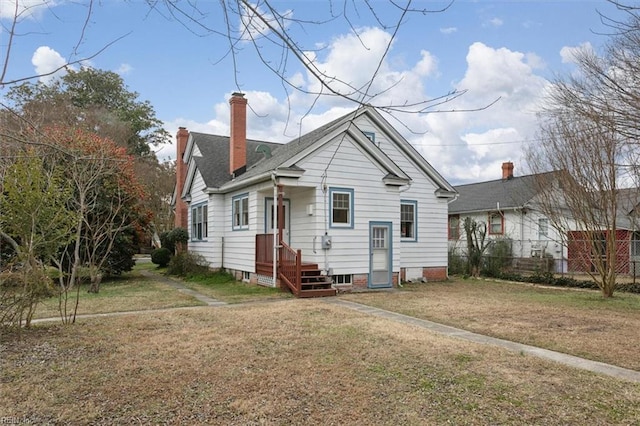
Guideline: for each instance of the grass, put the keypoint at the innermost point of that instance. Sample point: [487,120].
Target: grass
[131,292]
[577,322]
[293,362]
[223,287]
[304,361]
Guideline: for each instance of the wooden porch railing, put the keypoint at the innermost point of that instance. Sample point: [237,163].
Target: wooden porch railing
[264,254]
[290,262]
[290,268]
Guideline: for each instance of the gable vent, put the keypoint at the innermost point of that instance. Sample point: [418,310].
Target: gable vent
[264,150]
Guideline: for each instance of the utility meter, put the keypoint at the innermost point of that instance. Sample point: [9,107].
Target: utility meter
[326,242]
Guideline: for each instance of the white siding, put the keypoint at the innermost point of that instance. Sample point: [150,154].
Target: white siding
[239,245]
[350,168]
[430,249]
[522,229]
[206,248]
[342,163]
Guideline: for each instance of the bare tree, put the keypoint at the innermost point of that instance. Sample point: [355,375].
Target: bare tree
[589,138]
[275,33]
[581,199]
[106,201]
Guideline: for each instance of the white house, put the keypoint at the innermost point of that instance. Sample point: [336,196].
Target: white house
[508,207]
[350,204]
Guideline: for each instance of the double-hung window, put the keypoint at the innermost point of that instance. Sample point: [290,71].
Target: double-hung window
[496,223]
[408,220]
[454,227]
[199,222]
[240,212]
[341,207]
[543,228]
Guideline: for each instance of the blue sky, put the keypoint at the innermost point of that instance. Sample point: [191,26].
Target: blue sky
[504,50]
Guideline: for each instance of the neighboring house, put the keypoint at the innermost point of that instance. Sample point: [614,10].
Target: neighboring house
[580,249]
[508,207]
[352,201]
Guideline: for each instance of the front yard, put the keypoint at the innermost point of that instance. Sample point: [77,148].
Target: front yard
[304,361]
[577,322]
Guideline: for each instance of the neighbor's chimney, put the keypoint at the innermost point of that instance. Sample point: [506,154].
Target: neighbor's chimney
[507,170]
[181,215]
[238,135]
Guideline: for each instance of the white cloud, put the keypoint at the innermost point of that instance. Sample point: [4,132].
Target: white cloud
[448,30]
[25,8]
[463,146]
[493,22]
[427,66]
[471,146]
[124,69]
[365,52]
[252,25]
[46,60]
[568,53]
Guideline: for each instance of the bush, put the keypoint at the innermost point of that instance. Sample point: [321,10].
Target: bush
[187,264]
[167,242]
[174,239]
[161,256]
[497,258]
[179,235]
[458,264]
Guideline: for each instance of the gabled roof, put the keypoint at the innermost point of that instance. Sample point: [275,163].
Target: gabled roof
[213,161]
[214,154]
[494,195]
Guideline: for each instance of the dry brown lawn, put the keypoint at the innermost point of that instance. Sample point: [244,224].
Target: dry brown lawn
[130,293]
[577,322]
[288,362]
[308,362]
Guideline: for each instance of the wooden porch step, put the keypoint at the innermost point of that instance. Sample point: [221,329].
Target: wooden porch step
[314,283]
[325,292]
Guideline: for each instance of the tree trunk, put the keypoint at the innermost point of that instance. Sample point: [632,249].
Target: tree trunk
[96,279]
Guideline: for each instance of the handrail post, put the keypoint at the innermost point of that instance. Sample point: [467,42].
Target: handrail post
[299,270]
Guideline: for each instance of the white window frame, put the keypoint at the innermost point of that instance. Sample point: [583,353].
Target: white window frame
[500,217]
[414,226]
[199,222]
[543,228]
[240,212]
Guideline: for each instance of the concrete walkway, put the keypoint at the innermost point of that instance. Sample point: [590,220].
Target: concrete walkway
[182,289]
[570,360]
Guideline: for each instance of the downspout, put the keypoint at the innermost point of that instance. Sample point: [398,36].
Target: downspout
[275,229]
[325,208]
[522,232]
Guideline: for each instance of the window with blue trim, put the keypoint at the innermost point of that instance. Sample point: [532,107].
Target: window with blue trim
[199,222]
[240,212]
[408,220]
[341,207]
[371,136]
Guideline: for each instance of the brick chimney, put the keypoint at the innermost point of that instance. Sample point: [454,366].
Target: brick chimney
[181,213]
[507,170]
[238,134]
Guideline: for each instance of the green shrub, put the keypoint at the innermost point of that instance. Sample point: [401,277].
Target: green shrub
[497,258]
[188,264]
[161,256]
[167,242]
